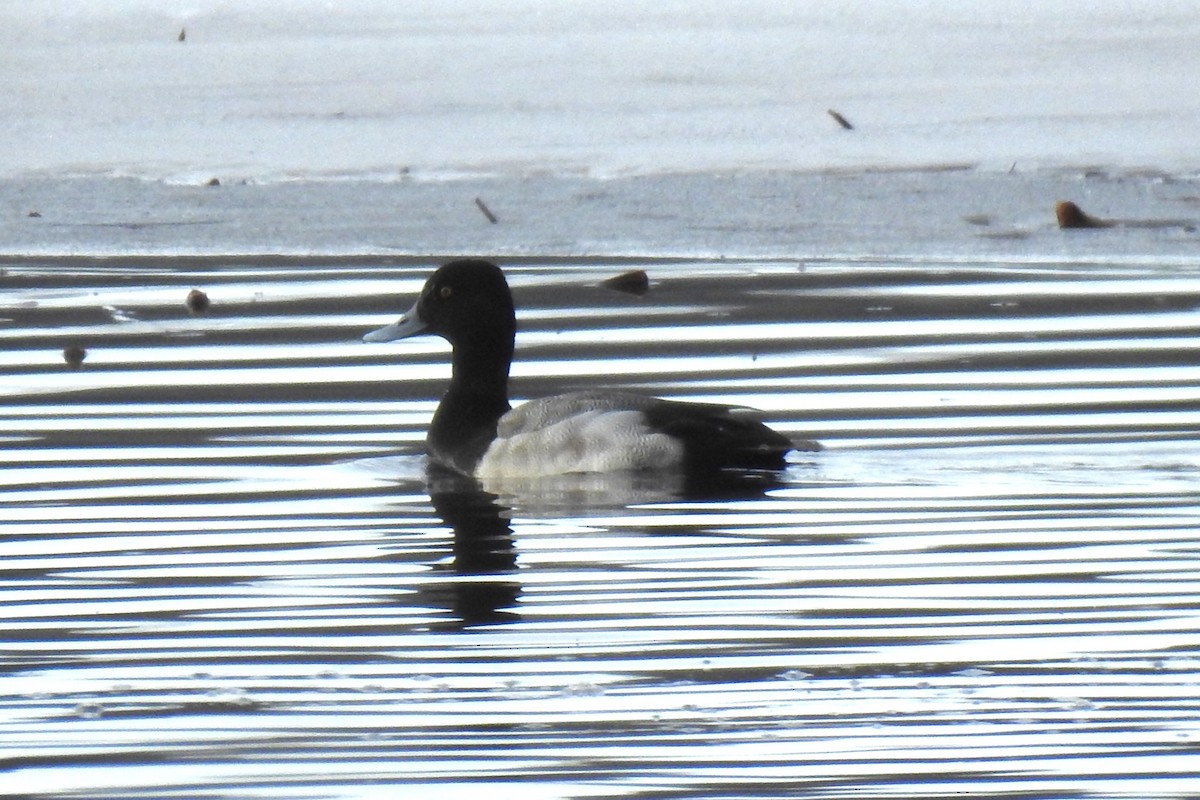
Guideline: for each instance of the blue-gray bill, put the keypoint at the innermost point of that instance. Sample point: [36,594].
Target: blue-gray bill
[408,325]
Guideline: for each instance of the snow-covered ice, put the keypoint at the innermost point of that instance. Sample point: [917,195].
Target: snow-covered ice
[668,127]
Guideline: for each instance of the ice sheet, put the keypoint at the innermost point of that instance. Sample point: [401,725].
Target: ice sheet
[380,90]
[669,128]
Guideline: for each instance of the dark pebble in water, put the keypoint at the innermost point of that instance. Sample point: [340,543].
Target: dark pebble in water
[74,356]
[197,301]
[632,282]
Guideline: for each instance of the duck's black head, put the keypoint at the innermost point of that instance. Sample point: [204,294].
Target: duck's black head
[464,302]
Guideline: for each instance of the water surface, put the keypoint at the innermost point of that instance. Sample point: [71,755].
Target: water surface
[227,573]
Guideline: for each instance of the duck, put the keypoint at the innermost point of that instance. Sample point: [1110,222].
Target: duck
[475,431]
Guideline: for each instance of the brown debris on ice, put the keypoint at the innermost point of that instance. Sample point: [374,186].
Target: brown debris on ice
[1072,216]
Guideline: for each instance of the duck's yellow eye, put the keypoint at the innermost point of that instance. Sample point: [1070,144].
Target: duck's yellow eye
[445,292]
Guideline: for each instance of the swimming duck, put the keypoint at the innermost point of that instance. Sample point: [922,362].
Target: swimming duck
[476,432]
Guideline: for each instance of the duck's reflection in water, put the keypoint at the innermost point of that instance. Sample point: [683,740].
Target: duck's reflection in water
[484,589]
[609,492]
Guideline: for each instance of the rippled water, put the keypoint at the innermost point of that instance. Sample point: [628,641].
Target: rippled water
[226,574]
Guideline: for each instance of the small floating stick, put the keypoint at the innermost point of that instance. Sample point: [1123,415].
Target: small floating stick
[487,212]
[840,120]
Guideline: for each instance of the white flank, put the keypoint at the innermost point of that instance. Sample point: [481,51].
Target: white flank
[594,441]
